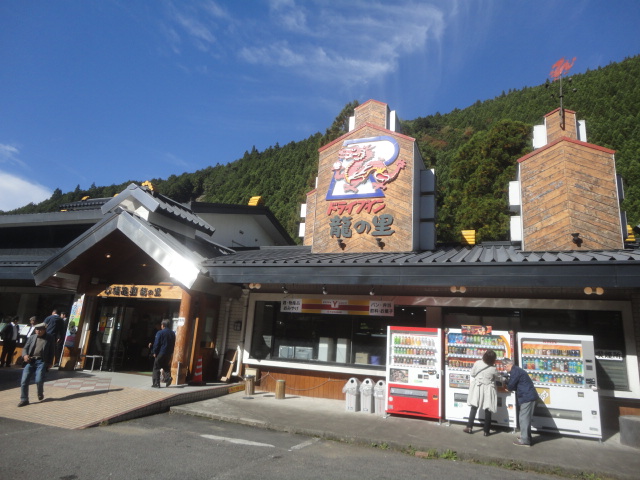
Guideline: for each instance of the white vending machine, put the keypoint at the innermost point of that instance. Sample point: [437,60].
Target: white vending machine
[463,347]
[563,370]
[414,368]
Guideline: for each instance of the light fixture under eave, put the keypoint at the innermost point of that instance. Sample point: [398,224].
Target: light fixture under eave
[107,255]
[455,289]
[324,290]
[285,290]
[372,291]
[592,290]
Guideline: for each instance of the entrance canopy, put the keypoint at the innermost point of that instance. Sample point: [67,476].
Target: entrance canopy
[135,245]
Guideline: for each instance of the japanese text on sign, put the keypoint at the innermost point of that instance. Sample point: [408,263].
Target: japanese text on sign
[341,227]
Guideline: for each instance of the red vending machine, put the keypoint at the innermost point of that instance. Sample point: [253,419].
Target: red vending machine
[414,371]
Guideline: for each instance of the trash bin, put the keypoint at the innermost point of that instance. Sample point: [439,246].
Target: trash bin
[352,391]
[379,392]
[366,396]
[249,384]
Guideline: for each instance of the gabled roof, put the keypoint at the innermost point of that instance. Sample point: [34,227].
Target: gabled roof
[480,265]
[155,202]
[261,214]
[181,257]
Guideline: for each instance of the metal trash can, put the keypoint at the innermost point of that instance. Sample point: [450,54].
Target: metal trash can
[366,396]
[351,390]
[249,384]
[379,393]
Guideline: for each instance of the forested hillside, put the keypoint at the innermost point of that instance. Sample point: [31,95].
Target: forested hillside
[473,151]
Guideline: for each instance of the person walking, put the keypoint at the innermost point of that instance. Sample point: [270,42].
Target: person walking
[10,335]
[526,397]
[38,358]
[162,351]
[482,391]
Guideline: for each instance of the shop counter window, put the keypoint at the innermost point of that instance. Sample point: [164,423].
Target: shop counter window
[333,339]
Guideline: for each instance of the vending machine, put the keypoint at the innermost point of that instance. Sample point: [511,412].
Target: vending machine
[414,370]
[563,370]
[463,347]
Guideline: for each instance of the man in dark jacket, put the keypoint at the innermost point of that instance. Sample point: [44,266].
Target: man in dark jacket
[526,396]
[10,335]
[55,328]
[162,351]
[38,358]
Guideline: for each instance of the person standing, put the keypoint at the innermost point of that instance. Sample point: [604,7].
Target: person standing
[482,391]
[55,328]
[162,351]
[526,397]
[10,335]
[30,330]
[38,358]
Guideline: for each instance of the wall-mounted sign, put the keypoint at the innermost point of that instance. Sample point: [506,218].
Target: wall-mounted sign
[154,292]
[338,307]
[364,168]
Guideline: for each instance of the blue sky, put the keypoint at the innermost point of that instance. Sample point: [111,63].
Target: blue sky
[107,91]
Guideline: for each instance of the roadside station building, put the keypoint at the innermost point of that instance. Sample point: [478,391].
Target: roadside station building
[317,314]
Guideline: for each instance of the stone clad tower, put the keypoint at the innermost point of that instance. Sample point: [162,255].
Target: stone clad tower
[373,193]
[568,193]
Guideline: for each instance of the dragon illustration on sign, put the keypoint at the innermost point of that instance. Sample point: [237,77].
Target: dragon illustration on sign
[364,168]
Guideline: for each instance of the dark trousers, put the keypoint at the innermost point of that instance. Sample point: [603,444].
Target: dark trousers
[59,351]
[8,349]
[487,419]
[161,362]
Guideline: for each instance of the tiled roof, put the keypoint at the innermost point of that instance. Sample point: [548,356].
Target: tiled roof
[480,265]
[155,201]
[454,255]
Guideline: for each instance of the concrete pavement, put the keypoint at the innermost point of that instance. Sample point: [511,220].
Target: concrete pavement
[82,399]
[329,419]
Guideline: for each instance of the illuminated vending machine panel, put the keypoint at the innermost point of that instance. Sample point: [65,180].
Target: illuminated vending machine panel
[463,347]
[563,371]
[414,369]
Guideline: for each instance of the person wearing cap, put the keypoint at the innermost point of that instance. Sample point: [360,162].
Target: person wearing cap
[38,358]
[526,397]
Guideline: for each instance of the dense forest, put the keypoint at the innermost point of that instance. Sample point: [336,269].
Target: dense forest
[473,151]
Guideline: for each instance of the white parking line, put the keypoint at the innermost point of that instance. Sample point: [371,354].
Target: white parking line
[237,440]
[304,444]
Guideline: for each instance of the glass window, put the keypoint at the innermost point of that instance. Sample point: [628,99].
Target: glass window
[342,339]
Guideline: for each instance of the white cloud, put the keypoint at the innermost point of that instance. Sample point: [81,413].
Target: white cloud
[18,192]
[359,40]
[9,154]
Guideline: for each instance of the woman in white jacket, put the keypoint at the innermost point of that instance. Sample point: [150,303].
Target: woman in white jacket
[482,391]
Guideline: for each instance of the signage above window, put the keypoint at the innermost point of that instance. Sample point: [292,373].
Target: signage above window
[154,292]
[338,307]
